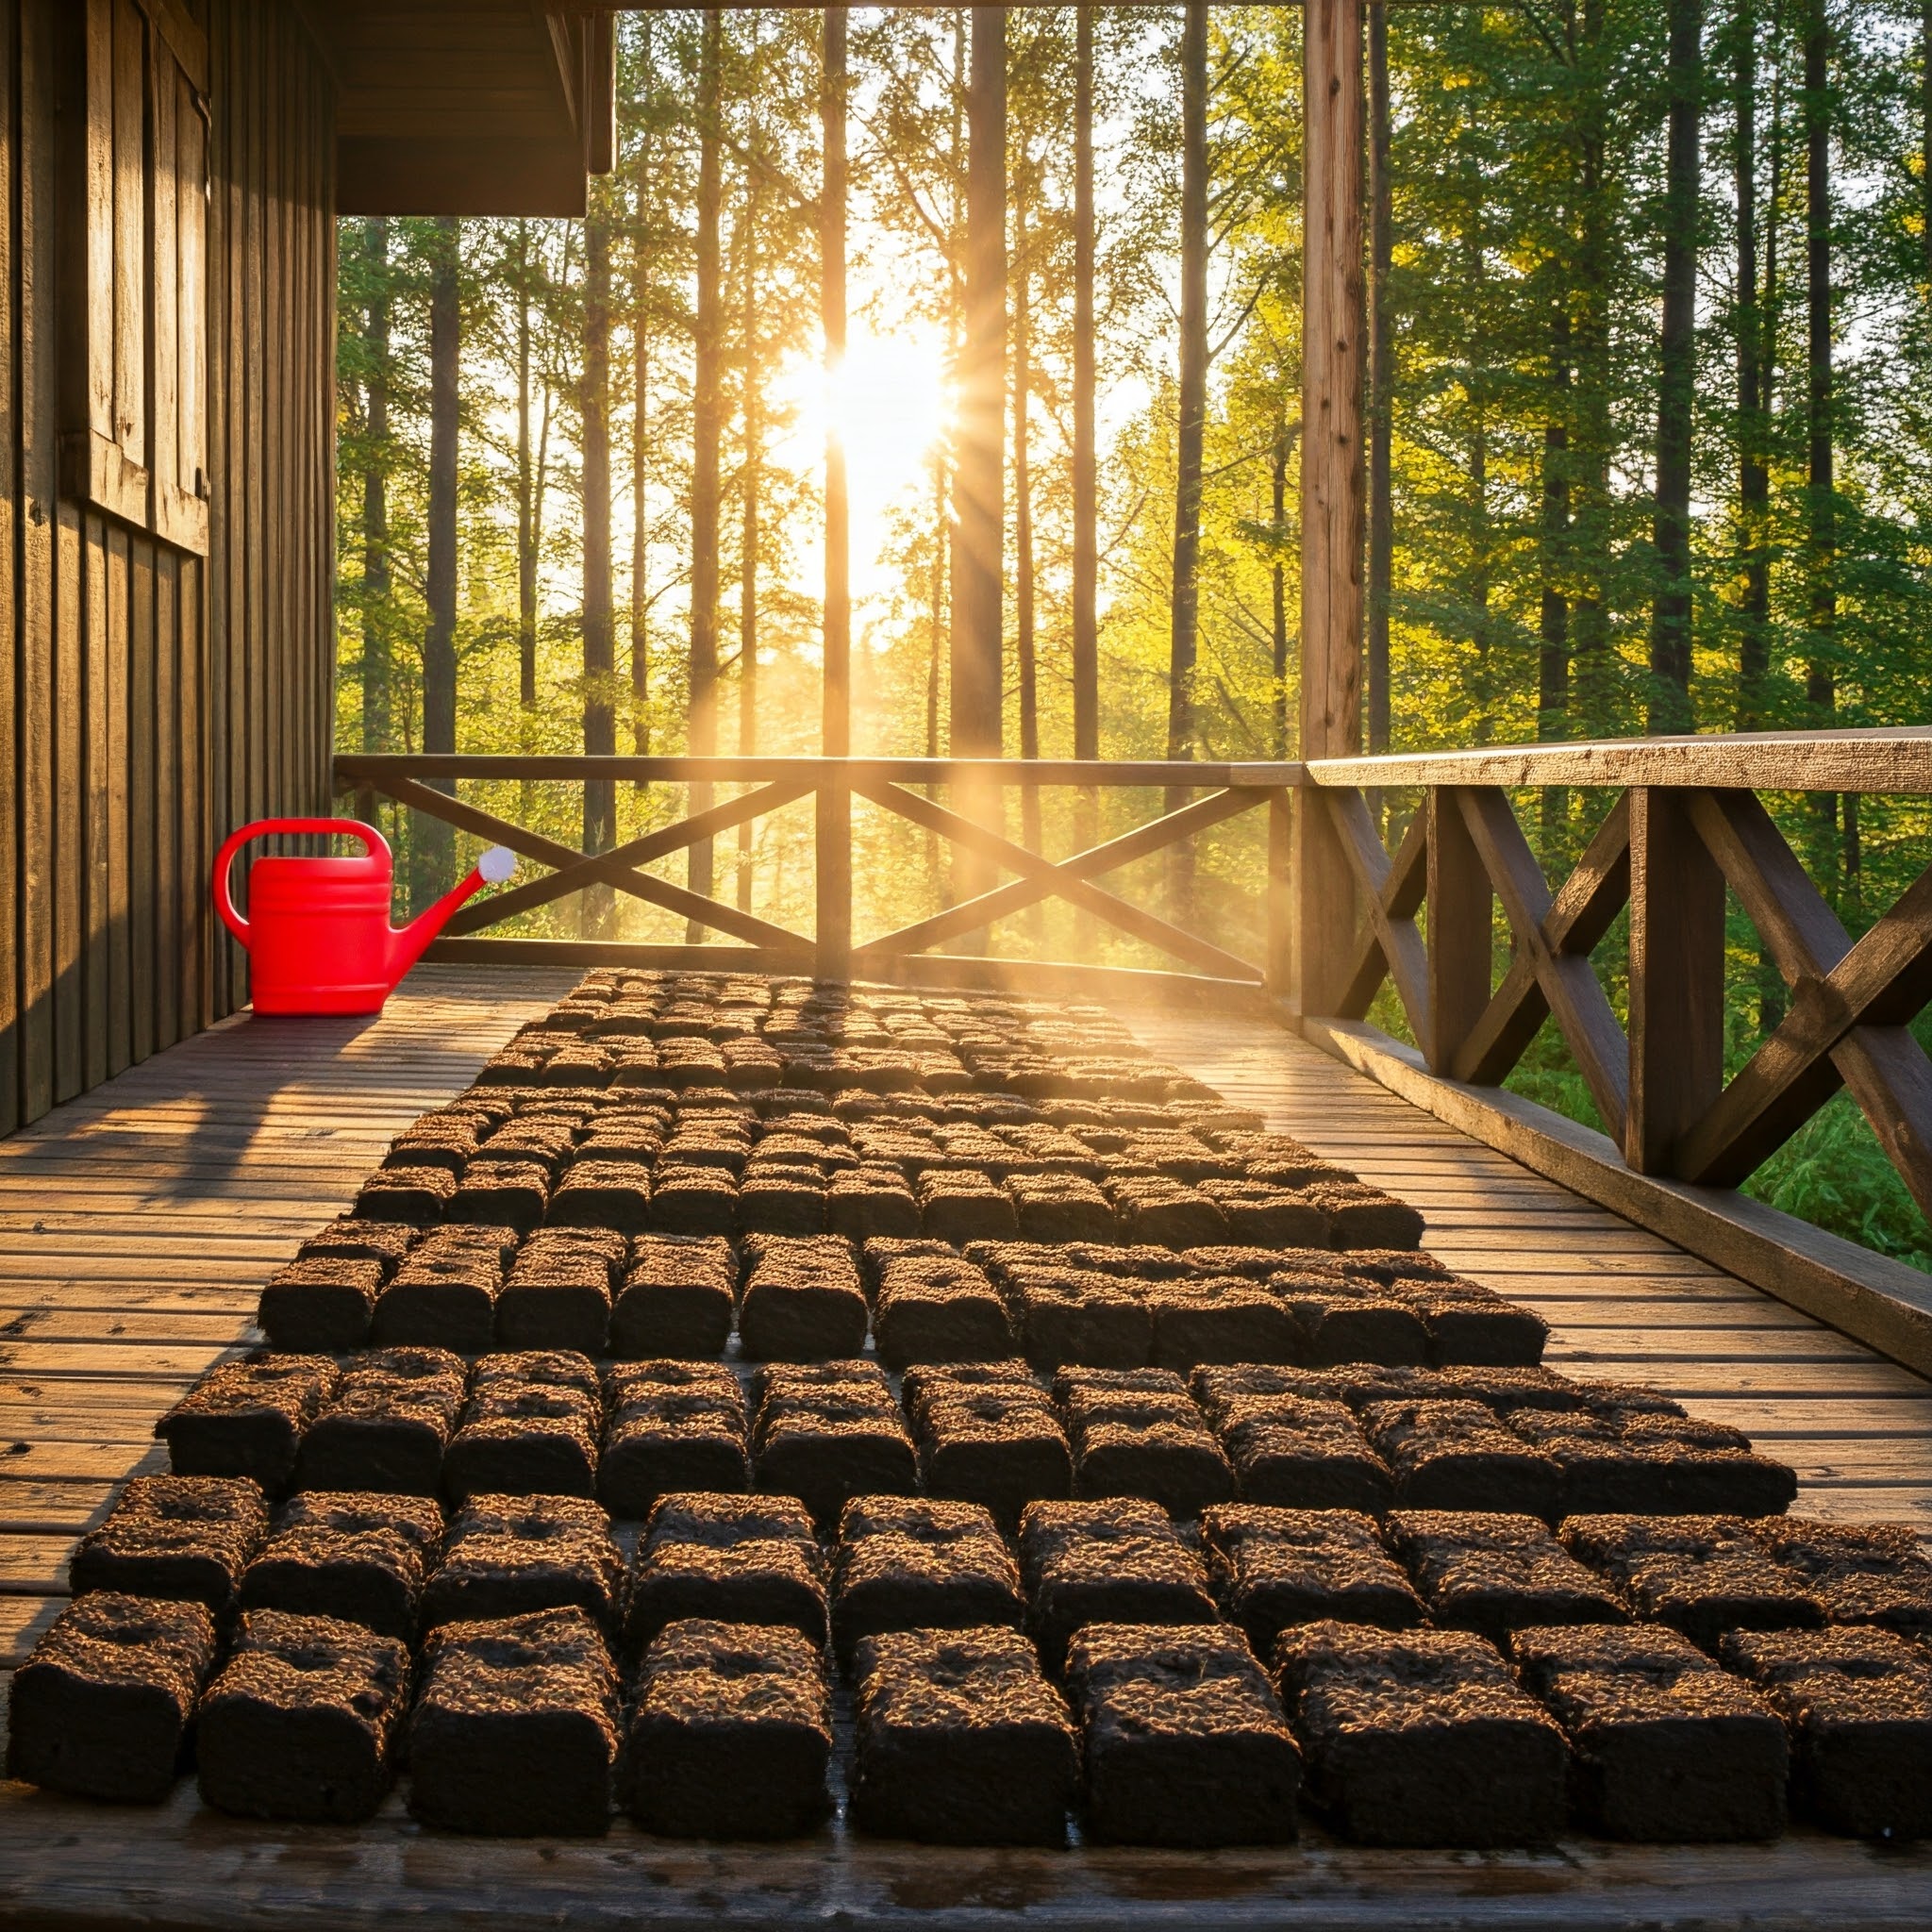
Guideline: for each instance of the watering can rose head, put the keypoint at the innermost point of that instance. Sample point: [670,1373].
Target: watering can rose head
[318,934]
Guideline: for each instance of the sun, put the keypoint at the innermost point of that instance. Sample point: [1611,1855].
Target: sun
[891,400]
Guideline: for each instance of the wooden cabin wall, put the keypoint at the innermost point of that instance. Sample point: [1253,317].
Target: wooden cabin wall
[160,698]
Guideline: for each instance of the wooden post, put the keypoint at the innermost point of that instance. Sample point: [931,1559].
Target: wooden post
[834,809]
[1676,978]
[1281,895]
[980,466]
[1461,908]
[1332,482]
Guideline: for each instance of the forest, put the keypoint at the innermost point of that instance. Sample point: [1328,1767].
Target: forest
[1650,367]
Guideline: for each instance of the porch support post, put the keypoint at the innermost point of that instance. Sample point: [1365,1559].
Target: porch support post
[833,925]
[1332,494]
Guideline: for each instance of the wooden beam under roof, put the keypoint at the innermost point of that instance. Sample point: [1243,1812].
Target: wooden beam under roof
[467,107]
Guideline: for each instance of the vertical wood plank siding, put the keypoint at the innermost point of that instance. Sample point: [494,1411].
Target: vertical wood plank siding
[154,699]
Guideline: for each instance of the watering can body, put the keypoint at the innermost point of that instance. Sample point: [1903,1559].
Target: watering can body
[318,934]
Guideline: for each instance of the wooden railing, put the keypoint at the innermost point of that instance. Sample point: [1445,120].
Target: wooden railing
[831,950]
[1344,915]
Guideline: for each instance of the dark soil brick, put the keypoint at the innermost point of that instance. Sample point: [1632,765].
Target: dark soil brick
[1270,1216]
[559,1292]
[506,1555]
[515,1727]
[997,1447]
[531,1427]
[1458,1455]
[960,1741]
[938,1309]
[363,1559]
[1073,1314]
[182,1537]
[1114,1561]
[673,1426]
[676,1299]
[444,1294]
[1165,1213]
[302,1721]
[1300,1454]
[1182,1740]
[1218,1319]
[694,1200]
[1494,1573]
[827,1440]
[1857,1704]
[603,1194]
[1340,1321]
[1273,1568]
[350,1239]
[961,1205]
[321,1304]
[801,1300]
[781,1201]
[734,1559]
[416,1194]
[1361,1216]
[731,1733]
[1868,1572]
[1701,1574]
[1669,1748]
[872,1202]
[247,1418]
[1061,1208]
[102,1707]
[1139,1433]
[916,1563]
[1422,1738]
[1612,1462]
[387,1425]
[502,1193]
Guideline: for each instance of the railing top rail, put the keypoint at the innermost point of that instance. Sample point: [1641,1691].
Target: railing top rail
[1259,775]
[1895,759]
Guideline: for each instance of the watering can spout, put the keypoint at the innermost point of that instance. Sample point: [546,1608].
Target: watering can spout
[407,946]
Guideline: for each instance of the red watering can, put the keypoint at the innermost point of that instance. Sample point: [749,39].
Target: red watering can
[320,940]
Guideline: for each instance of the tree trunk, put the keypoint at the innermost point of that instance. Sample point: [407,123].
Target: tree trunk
[600,734]
[1926,139]
[1086,664]
[375,564]
[748,532]
[435,843]
[640,442]
[978,469]
[706,411]
[1024,640]
[836,727]
[1381,387]
[1753,471]
[1670,611]
[1191,401]
[1821,676]
[1278,478]
[526,549]
[1553,651]
[1593,666]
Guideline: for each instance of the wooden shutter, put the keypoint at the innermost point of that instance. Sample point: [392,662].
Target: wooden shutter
[135,284]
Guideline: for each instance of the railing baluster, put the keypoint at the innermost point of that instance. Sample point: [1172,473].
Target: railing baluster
[833,922]
[1676,978]
[1461,905]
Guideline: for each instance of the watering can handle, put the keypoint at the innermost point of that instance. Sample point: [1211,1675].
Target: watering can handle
[372,840]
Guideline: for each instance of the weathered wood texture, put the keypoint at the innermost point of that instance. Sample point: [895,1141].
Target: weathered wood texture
[137,1225]
[159,696]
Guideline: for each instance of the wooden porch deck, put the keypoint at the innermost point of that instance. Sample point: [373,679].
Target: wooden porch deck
[138,1223]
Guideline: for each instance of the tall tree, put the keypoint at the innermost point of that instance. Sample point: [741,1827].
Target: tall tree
[1192,397]
[835,730]
[1277,577]
[706,412]
[750,484]
[1024,588]
[1754,386]
[375,564]
[1085,622]
[526,529]
[600,734]
[979,465]
[642,241]
[435,845]
[1670,607]
[1381,385]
